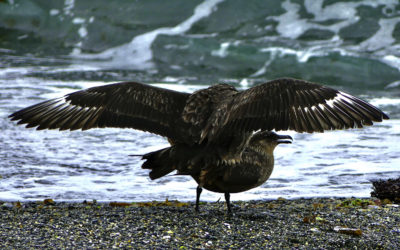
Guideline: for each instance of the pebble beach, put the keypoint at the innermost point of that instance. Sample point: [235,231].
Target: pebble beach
[318,223]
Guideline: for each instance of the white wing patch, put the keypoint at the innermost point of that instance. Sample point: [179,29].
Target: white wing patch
[339,112]
[343,96]
[331,102]
[339,98]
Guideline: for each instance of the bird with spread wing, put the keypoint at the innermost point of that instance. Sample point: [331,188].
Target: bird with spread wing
[220,136]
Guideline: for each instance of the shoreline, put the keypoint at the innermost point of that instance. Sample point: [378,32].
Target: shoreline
[296,223]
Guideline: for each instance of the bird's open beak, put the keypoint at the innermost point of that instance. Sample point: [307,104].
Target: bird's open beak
[284,139]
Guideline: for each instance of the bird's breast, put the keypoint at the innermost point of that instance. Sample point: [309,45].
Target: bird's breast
[252,171]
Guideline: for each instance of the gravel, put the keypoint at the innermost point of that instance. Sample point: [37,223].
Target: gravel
[301,224]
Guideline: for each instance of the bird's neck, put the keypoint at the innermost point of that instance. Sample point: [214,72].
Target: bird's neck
[262,149]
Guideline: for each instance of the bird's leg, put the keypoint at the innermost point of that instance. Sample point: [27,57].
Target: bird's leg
[198,192]
[228,202]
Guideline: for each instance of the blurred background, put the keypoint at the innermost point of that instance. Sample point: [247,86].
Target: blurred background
[50,48]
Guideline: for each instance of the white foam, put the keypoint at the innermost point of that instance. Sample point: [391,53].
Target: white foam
[383,37]
[54,12]
[222,51]
[82,31]
[277,52]
[78,20]
[138,54]
[392,60]
[292,26]
[68,7]
[394,84]
[274,53]
[6,72]
[385,101]
[245,83]
[264,68]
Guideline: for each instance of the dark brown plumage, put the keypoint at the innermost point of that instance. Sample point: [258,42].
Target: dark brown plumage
[249,169]
[211,130]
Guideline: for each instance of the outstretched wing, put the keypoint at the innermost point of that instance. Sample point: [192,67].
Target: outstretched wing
[298,105]
[122,105]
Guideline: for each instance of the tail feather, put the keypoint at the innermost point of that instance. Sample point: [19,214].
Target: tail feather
[186,160]
[159,162]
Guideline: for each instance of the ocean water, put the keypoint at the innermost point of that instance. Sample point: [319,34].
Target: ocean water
[50,49]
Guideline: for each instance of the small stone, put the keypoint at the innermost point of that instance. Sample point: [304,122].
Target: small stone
[349,231]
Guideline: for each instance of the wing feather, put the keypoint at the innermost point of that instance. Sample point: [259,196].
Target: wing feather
[124,105]
[214,113]
[316,124]
[299,105]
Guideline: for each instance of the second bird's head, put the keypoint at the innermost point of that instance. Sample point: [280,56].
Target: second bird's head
[268,140]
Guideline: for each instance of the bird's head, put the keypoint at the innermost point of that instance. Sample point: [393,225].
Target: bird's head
[268,140]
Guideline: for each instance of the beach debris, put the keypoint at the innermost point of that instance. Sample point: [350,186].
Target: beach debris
[17,204]
[309,219]
[347,230]
[120,204]
[387,189]
[165,203]
[313,219]
[315,230]
[352,203]
[317,206]
[48,202]
[93,202]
